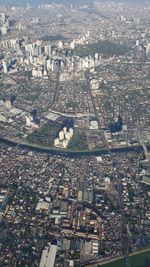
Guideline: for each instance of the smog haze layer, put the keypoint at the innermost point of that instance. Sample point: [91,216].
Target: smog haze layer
[67,2]
[38,2]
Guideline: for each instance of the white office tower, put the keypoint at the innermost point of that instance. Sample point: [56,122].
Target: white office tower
[41,60]
[5,43]
[30,122]
[35,50]
[65,130]
[15,44]
[31,59]
[53,65]
[21,60]
[35,61]
[71,263]
[34,72]
[20,27]
[48,64]
[64,76]
[39,50]
[4,66]
[4,29]
[147,48]
[72,45]
[94,84]
[56,142]
[91,63]
[26,61]
[96,56]
[65,143]
[87,34]
[45,72]
[60,45]
[38,73]
[7,23]
[85,64]
[68,136]
[3,18]
[8,104]
[29,48]
[61,135]
[48,50]
[71,131]
[62,65]
[64,138]
[80,65]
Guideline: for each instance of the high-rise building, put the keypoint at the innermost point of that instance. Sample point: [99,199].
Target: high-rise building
[5,67]
[48,50]
[148,48]
[8,104]
[28,47]
[4,29]
[3,18]
[5,43]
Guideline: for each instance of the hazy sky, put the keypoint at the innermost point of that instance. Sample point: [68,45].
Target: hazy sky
[36,2]
[18,2]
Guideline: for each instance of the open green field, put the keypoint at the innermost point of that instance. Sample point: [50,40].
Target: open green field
[118,263]
[45,136]
[78,142]
[103,47]
[139,260]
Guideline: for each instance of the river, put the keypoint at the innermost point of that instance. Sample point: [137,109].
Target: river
[64,153]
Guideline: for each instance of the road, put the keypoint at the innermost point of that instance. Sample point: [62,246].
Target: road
[119,188]
[56,89]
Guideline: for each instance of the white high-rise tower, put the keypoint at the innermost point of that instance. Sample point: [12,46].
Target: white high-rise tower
[5,66]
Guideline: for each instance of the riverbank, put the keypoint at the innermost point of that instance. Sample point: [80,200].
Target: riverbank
[137,259]
[69,153]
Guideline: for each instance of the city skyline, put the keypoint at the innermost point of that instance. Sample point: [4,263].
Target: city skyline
[75,134]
